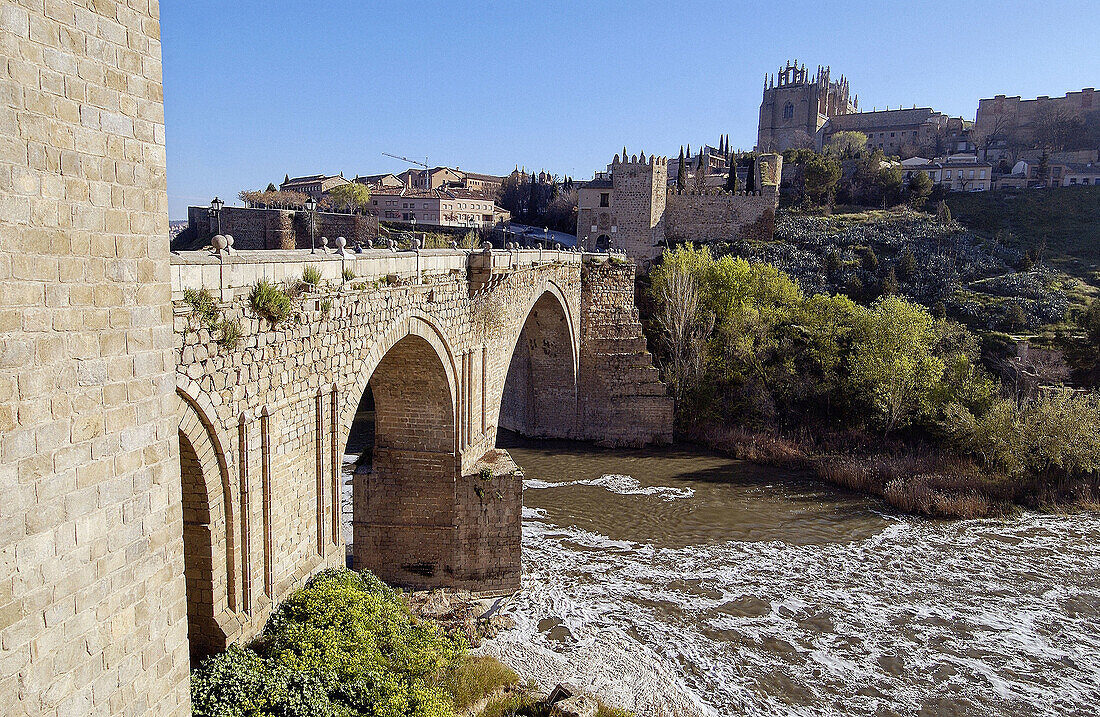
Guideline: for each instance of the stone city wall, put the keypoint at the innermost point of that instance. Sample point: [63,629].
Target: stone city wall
[720,216]
[273,228]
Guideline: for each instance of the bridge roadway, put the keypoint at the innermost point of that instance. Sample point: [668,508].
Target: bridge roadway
[449,345]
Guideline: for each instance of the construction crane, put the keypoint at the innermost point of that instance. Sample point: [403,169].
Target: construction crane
[423,164]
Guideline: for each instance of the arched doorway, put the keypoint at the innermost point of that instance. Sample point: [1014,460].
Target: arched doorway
[540,391]
[603,243]
[403,507]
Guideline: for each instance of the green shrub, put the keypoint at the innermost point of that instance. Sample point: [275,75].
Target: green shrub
[269,301]
[240,683]
[349,273]
[311,276]
[203,304]
[326,306]
[229,333]
[359,632]
[476,676]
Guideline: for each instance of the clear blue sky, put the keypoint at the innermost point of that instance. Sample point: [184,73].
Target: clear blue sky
[255,90]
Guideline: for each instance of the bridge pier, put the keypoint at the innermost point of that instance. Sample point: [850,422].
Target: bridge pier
[418,524]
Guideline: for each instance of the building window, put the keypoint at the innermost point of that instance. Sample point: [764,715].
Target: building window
[970,174]
[605,199]
[788,111]
[982,174]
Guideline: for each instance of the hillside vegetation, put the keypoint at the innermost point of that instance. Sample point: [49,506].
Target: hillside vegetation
[884,397]
[987,284]
[1065,219]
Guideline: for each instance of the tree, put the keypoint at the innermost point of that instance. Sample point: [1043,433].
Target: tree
[750,177]
[888,180]
[533,197]
[271,187]
[700,183]
[1091,322]
[846,144]
[822,173]
[869,260]
[731,178]
[890,283]
[907,264]
[675,288]
[943,213]
[920,187]
[351,196]
[681,171]
[892,363]
[1044,168]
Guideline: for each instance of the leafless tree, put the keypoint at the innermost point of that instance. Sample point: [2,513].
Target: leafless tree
[682,329]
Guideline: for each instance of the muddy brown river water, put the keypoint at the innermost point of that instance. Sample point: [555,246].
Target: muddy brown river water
[675,581]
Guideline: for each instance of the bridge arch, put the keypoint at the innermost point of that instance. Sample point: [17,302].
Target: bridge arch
[539,394]
[403,508]
[209,538]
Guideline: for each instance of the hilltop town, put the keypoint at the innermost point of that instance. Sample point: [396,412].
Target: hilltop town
[1012,143]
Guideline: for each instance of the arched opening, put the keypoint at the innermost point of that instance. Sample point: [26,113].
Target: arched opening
[202,539]
[403,502]
[603,243]
[540,391]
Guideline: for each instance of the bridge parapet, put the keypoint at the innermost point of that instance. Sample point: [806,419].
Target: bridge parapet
[234,274]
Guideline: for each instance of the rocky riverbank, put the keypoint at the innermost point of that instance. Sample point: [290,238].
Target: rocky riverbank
[481,619]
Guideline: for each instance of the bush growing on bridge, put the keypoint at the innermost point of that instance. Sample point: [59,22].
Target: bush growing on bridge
[311,276]
[269,301]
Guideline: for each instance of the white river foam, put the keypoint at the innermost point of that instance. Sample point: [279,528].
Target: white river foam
[925,617]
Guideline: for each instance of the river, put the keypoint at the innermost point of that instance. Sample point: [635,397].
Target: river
[673,581]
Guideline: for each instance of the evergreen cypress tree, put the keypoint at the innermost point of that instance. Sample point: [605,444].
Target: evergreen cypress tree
[750,180]
[533,198]
[731,180]
[681,174]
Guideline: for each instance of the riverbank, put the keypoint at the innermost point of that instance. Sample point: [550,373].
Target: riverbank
[914,477]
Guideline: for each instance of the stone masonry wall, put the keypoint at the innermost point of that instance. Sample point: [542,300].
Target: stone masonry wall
[273,228]
[622,401]
[720,216]
[92,606]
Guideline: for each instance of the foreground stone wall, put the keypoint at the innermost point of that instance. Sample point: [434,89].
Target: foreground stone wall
[92,606]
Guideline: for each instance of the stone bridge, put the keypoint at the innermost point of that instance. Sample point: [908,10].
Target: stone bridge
[445,347]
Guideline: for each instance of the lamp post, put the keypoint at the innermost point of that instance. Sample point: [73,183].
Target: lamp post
[311,207]
[413,221]
[215,211]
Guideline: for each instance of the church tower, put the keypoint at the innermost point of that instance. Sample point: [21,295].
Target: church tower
[796,106]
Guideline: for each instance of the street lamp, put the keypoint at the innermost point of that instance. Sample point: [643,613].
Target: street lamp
[215,211]
[311,207]
[413,221]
